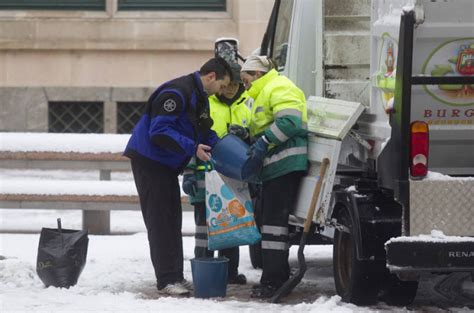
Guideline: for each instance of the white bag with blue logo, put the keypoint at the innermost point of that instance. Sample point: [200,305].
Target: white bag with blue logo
[229,213]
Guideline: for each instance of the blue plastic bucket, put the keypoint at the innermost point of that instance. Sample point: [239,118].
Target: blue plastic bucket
[209,277]
[230,156]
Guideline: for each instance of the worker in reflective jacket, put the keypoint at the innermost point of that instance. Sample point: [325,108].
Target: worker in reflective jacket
[175,127]
[230,114]
[278,126]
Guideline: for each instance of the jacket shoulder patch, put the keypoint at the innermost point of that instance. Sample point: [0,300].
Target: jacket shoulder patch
[167,103]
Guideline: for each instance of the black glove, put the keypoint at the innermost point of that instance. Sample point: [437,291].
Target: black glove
[257,153]
[189,184]
[258,150]
[238,130]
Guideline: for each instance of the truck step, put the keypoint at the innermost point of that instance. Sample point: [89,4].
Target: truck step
[452,254]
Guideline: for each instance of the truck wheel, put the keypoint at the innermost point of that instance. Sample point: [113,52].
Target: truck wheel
[355,280]
[256,255]
[398,292]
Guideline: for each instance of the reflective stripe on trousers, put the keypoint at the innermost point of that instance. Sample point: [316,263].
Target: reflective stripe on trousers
[275,237]
[200,236]
[278,197]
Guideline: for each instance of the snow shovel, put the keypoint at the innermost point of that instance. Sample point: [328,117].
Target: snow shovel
[291,283]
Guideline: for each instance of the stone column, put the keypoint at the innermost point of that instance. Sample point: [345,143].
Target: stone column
[110,117]
[111,7]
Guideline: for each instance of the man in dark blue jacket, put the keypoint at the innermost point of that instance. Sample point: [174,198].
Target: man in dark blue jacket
[175,126]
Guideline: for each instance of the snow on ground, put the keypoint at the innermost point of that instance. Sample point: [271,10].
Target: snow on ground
[118,277]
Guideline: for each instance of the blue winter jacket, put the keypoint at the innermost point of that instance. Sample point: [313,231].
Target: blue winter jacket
[175,121]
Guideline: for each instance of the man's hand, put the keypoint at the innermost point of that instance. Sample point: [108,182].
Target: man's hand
[239,131]
[203,152]
[189,184]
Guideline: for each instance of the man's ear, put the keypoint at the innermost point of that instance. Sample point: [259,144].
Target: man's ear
[211,76]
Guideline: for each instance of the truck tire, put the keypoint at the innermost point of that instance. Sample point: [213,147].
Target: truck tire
[356,281]
[398,292]
[256,255]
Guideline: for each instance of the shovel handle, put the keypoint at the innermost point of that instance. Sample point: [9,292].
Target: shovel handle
[315,197]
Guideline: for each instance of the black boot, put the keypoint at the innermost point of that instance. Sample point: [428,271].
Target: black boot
[238,279]
[263,291]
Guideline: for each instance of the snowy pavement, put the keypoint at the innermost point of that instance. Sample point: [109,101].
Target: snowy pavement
[118,276]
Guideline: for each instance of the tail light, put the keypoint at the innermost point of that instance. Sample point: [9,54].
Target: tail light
[419,149]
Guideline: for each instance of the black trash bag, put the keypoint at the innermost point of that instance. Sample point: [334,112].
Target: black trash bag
[62,256]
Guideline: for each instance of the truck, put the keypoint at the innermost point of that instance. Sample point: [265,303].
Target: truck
[390,89]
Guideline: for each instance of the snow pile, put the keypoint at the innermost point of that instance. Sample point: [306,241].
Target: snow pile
[351,188]
[23,174]
[15,273]
[389,12]
[435,236]
[408,8]
[354,190]
[439,176]
[69,187]
[49,142]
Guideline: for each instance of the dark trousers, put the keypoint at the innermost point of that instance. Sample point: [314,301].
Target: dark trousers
[160,201]
[201,250]
[278,198]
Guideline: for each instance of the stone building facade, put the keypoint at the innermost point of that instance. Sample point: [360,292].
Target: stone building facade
[91,70]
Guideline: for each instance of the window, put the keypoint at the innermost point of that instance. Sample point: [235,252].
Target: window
[282,32]
[76,117]
[93,5]
[268,36]
[275,40]
[172,5]
[128,114]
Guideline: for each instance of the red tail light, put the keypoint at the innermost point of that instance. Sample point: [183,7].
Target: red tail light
[419,149]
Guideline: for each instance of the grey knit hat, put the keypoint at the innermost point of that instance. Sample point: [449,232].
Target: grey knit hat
[257,63]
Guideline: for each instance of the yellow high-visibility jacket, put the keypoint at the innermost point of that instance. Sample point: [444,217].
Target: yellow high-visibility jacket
[279,111]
